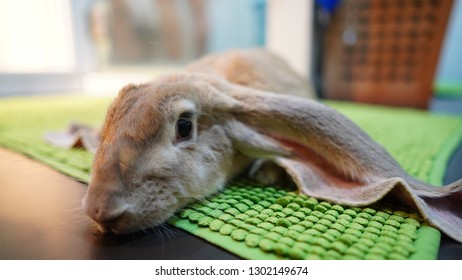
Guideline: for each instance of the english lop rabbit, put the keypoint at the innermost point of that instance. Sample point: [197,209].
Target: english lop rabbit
[181,137]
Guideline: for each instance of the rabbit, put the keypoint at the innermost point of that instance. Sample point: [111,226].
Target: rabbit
[181,137]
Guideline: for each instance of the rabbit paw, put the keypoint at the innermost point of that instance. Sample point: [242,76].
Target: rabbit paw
[268,173]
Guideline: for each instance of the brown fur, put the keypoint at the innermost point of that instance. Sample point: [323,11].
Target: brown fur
[254,68]
[142,174]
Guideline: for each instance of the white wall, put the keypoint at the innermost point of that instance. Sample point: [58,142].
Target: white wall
[289,31]
[36,36]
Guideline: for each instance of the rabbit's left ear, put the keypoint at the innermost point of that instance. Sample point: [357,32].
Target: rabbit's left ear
[326,155]
[330,158]
[254,144]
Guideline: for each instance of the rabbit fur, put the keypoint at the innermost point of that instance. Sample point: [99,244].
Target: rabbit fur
[250,114]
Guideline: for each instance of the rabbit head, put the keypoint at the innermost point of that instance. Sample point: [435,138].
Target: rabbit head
[163,145]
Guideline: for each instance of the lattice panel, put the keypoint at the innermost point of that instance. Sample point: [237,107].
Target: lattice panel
[384,51]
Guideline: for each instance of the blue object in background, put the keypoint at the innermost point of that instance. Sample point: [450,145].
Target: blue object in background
[449,73]
[328,5]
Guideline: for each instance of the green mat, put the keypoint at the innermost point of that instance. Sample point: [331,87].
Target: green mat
[448,89]
[264,222]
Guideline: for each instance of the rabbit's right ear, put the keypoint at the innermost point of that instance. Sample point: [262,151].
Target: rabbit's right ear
[77,136]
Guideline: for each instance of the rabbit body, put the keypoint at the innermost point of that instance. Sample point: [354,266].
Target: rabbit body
[181,137]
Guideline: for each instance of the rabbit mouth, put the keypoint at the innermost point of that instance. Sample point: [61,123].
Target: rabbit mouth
[131,223]
[118,226]
[104,228]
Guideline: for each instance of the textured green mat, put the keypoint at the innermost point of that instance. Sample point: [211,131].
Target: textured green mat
[272,223]
[259,222]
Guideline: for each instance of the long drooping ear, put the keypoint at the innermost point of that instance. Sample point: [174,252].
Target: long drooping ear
[251,143]
[77,136]
[331,158]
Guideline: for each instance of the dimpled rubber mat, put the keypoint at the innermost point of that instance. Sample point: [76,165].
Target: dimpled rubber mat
[262,222]
[269,222]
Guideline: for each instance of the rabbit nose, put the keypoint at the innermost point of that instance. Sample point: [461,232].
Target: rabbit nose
[104,216]
[104,213]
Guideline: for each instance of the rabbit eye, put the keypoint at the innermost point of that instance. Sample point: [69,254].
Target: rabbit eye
[184,129]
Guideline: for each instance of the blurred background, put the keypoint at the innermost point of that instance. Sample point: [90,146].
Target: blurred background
[393,52]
